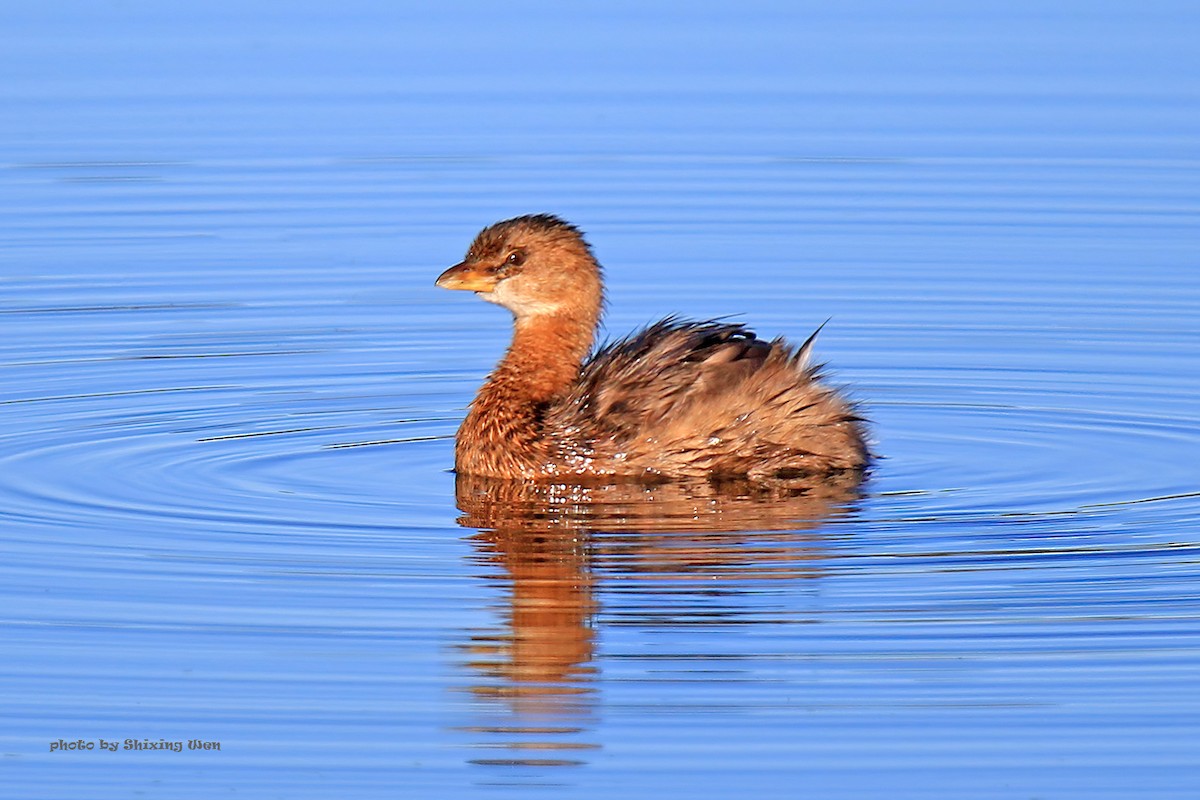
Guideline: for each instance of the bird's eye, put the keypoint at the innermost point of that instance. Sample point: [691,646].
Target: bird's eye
[516,258]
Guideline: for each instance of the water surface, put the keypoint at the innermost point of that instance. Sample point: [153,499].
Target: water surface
[231,390]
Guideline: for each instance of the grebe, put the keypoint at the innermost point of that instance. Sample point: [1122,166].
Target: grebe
[677,399]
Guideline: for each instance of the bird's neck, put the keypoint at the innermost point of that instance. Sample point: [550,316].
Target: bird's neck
[503,433]
[543,360]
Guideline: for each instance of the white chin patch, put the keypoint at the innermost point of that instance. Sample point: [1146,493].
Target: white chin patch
[503,295]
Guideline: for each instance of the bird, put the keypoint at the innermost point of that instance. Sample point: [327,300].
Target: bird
[679,399]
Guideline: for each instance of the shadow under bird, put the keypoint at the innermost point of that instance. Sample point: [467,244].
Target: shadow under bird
[678,399]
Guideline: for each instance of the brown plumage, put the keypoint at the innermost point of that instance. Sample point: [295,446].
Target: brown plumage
[677,399]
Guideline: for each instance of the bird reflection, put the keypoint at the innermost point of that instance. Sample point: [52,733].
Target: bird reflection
[551,545]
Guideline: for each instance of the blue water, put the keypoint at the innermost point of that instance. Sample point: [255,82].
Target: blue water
[231,389]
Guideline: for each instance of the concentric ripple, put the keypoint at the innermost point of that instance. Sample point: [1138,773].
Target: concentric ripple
[286,444]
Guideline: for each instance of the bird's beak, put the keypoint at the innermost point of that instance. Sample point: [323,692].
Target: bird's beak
[464,276]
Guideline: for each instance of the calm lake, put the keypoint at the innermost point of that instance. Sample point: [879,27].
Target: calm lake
[227,510]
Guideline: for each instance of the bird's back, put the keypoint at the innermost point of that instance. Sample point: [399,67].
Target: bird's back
[707,398]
